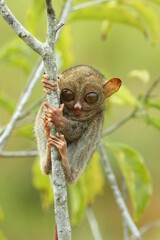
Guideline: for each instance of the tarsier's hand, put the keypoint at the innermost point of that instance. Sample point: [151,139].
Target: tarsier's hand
[54,115]
[48,86]
[60,143]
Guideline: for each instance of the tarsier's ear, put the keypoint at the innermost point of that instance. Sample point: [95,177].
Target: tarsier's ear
[111,86]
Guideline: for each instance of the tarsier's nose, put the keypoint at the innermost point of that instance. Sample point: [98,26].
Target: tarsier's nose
[77,106]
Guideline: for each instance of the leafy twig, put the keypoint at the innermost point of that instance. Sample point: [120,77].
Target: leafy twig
[134,111]
[120,202]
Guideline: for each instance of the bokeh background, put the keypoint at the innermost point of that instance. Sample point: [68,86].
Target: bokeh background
[124,49]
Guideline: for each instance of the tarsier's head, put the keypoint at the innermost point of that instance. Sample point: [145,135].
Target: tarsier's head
[84,90]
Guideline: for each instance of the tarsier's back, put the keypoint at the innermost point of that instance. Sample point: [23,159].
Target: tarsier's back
[79,120]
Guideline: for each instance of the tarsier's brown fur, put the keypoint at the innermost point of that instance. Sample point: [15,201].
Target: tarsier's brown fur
[79,122]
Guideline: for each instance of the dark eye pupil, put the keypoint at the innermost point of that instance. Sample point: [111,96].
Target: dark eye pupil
[67,94]
[91,97]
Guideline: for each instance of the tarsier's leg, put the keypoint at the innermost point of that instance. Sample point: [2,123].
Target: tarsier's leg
[47,164]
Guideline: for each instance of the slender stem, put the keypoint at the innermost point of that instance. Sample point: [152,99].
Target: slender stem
[51,23]
[125,226]
[93,224]
[151,88]
[17,27]
[24,98]
[19,154]
[148,226]
[89,4]
[57,177]
[120,123]
[120,202]
[31,108]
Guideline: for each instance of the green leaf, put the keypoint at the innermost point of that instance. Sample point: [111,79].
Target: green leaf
[113,11]
[26,131]
[64,46]
[136,176]
[123,97]
[1,215]
[155,1]
[16,53]
[34,15]
[2,237]
[42,184]
[6,103]
[155,122]
[142,75]
[154,103]
[148,15]
[83,193]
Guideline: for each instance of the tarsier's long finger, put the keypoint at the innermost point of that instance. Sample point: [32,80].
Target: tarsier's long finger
[49,84]
[55,138]
[47,88]
[49,115]
[54,144]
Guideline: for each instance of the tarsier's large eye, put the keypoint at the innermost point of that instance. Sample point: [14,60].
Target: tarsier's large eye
[91,97]
[67,95]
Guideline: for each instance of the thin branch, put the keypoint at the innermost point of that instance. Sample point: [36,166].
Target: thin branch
[120,123]
[89,4]
[120,202]
[31,108]
[17,27]
[19,154]
[51,23]
[63,18]
[59,26]
[125,226]
[25,96]
[93,224]
[57,177]
[151,88]
[148,226]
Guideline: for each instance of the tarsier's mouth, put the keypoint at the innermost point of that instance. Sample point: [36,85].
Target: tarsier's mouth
[77,112]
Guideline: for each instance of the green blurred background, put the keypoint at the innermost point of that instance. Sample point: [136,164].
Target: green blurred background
[124,50]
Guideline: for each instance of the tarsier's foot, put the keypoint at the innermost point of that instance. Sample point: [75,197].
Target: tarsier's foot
[46,126]
[48,86]
[60,143]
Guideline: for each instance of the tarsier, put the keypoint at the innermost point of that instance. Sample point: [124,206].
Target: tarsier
[78,120]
